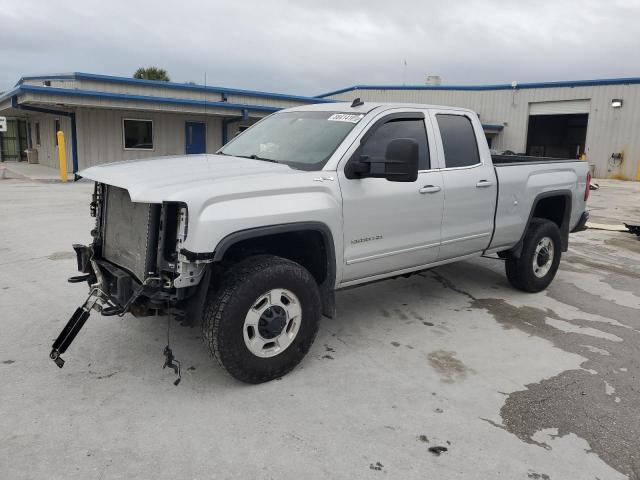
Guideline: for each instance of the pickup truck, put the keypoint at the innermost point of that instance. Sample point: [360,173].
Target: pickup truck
[252,242]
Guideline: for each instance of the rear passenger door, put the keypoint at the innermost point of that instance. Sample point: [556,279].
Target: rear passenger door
[470,184]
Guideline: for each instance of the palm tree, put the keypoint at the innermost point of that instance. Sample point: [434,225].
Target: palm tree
[152,73]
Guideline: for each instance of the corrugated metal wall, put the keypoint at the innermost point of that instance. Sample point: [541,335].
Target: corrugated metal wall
[53,100]
[47,149]
[100,135]
[168,92]
[610,130]
[99,117]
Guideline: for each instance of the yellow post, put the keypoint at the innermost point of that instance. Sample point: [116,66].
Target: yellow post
[62,157]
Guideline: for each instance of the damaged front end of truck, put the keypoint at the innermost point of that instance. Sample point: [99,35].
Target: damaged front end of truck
[134,264]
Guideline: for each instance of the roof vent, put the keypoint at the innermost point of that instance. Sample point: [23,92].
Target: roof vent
[434,80]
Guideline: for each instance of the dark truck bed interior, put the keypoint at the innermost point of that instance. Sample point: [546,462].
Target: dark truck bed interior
[501,160]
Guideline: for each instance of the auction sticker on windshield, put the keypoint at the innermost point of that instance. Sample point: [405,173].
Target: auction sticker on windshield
[345,117]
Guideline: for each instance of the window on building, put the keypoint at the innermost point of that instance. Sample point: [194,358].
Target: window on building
[138,134]
[56,130]
[29,136]
[376,144]
[458,141]
[37,125]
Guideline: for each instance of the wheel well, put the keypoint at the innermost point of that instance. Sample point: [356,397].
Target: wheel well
[306,247]
[555,207]
[552,208]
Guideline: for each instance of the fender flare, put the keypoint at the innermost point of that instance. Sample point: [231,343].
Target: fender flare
[327,287]
[516,250]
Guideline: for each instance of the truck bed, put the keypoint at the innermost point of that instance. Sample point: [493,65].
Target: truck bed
[522,179]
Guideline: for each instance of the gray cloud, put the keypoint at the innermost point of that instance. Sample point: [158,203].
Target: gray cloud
[309,47]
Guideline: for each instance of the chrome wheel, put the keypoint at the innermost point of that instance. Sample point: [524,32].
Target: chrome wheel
[543,257]
[272,323]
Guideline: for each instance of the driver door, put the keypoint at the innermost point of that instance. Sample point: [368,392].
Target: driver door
[391,226]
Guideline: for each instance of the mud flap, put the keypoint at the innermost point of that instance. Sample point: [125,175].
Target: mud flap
[69,332]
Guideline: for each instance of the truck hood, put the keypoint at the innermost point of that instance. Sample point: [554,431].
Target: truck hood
[155,180]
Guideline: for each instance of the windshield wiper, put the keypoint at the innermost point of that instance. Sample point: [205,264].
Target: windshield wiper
[251,157]
[256,157]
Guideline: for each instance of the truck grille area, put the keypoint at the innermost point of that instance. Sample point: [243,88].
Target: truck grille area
[130,232]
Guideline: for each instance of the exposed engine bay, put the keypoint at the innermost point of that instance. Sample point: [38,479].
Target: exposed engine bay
[134,263]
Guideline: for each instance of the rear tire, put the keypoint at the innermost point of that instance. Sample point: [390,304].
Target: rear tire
[538,263]
[263,319]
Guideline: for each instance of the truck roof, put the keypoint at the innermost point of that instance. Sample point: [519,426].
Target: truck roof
[366,107]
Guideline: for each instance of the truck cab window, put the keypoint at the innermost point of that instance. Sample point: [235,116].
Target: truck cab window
[458,141]
[376,144]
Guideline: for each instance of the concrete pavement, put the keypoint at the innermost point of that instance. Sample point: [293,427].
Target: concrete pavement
[32,171]
[513,385]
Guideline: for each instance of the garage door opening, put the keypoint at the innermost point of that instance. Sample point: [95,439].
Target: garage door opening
[559,136]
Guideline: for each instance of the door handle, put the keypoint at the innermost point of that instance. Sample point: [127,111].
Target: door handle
[430,189]
[484,184]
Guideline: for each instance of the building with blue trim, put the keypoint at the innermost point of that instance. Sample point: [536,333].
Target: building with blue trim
[598,120]
[106,118]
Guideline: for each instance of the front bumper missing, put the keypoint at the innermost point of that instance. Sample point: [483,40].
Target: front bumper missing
[116,284]
[113,291]
[73,326]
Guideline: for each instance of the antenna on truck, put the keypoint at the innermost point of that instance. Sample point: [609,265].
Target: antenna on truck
[357,102]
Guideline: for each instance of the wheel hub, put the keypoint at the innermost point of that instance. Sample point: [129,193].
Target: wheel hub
[272,322]
[543,257]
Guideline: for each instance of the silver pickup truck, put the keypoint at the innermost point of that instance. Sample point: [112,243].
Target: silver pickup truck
[252,242]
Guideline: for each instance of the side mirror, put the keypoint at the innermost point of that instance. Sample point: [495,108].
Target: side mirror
[400,163]
[401,160]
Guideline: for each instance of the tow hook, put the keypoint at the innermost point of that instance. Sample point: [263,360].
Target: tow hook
[73,326]
[79,278]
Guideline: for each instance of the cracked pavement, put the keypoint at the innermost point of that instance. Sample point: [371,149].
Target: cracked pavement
[512,385]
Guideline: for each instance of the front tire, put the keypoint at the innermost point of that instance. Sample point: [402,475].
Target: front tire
[538,263]
[263,319]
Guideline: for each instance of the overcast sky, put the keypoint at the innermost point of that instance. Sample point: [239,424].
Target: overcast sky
[310,47]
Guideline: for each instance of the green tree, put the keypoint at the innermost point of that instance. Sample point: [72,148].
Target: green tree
[152,73]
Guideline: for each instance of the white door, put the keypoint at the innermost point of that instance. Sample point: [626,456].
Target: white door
[469,181]
[390,226]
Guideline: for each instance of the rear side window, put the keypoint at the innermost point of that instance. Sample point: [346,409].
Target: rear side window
[458,141]
[376,144]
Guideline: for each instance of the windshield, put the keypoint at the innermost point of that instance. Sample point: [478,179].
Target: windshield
[303,140]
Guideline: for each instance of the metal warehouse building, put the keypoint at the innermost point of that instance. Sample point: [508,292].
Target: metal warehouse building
[109,119]
[598,118]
